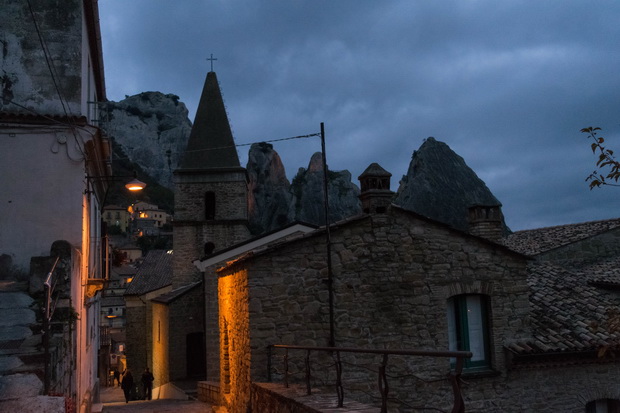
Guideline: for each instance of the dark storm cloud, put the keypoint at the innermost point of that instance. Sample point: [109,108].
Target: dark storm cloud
[508,85]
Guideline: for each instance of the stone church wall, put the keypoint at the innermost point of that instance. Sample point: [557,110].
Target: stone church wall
[190,237]
[230,199]
[136,330]
[212,331]
[186,316]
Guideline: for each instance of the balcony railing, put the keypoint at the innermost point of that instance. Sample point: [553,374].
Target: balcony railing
[453,377]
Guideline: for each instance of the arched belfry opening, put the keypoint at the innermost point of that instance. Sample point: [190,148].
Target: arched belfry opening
[209,205]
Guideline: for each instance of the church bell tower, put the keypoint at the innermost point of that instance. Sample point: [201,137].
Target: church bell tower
[211,199]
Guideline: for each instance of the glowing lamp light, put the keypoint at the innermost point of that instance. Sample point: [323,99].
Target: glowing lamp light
[135,185]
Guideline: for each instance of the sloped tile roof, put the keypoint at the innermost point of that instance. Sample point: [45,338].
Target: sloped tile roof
[568,313]
[113,301]
[155,272]
[605,273]
[536,241]
[169,297]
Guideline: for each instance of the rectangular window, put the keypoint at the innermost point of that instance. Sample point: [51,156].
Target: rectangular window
[468,328]
[603,406]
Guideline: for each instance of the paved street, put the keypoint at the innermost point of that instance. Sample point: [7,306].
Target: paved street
[114,402]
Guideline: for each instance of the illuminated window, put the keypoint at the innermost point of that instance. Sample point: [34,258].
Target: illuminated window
[468,328]
[603,406]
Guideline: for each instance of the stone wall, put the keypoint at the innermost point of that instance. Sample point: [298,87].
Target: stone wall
[192,230]
[209,392]
[186,316]
[212,331]
[136,333]
[25,74]
[393,274]
[160,337]
[188,247]
[230,198]
[234,341]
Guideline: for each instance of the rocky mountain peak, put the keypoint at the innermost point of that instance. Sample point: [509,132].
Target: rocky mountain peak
[151,128]
[316,163]
[441,186]
[269,198]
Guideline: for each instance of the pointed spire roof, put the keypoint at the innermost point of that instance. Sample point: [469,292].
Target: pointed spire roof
[211,144]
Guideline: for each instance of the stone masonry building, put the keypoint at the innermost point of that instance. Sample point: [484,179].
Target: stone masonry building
[540,334]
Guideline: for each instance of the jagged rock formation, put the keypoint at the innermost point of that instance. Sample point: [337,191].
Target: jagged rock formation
[274,202]
[307,191]
[152,129]
[269,198]
[441,186]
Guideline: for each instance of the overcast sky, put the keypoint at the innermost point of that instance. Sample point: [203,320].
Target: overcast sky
[506,84]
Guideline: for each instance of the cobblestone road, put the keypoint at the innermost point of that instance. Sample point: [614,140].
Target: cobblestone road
[114,402]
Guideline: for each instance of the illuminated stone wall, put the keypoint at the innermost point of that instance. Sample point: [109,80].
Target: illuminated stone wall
[234,341]
[160,337]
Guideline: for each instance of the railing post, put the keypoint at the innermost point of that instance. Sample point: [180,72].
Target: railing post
[383,384]
[269,351]
[454,376]
[339,388]
[307,363]
[455,379]
[286,368]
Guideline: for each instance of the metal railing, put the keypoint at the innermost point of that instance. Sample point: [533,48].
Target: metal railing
[453,377]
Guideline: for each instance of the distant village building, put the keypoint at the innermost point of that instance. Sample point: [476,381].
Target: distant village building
[117,216]
[144,211]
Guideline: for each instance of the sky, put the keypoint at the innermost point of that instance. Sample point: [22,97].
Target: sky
[508,85]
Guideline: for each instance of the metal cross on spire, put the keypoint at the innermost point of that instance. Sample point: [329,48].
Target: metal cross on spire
[211,59]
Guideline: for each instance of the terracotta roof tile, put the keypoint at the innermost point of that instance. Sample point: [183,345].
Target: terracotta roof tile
[154,273]
[568,313]
[536,241]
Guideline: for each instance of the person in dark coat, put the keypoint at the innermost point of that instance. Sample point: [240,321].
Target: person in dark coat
[147,383]
[127,385]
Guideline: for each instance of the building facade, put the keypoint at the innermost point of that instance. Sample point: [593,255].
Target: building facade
[540,334]
[55,161]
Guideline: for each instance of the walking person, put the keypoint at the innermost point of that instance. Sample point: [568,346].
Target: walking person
[127,385]
[147,383]
[117,378]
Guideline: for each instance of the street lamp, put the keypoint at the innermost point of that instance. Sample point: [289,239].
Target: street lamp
[135,184]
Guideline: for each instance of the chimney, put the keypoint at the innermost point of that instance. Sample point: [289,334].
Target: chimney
[486,221]
[375,193]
